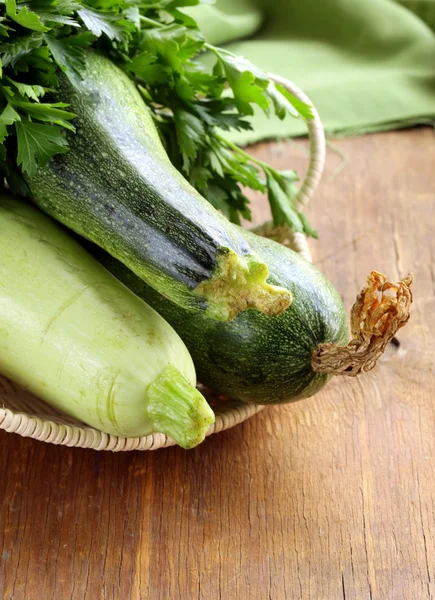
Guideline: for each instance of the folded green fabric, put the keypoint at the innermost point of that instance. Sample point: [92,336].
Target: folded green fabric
[367,65]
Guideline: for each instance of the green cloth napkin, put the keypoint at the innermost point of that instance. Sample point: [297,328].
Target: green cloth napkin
[367,65]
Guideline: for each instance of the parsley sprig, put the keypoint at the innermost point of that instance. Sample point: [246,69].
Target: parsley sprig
[159,46]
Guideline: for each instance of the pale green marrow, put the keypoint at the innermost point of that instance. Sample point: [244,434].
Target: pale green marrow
[79,339]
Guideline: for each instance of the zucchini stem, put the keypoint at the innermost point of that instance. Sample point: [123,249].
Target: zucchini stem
[178,409]
[379,311]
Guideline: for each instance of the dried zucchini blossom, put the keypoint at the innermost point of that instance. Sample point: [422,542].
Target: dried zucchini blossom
[379,311]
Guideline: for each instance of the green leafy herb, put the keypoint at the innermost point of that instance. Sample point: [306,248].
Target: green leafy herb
[24,17]
[9,116]
[37,142]
[158,46]
[107,23]
[69,56]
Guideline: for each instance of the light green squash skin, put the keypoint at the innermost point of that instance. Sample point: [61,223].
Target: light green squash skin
[258,358]
[72,334]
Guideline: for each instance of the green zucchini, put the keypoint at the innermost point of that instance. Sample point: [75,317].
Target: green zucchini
[116,187]
[79,339]
[258,358]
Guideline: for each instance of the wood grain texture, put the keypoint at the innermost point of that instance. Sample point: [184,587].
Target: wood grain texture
[330,498]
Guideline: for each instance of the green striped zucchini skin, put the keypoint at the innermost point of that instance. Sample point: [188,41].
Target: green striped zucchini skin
[117,187]
[258,358]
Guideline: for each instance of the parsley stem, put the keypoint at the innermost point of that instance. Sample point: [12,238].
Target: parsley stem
[266,168]
[150,21]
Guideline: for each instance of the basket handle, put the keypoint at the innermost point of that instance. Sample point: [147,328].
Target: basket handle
[298,241]
[316,136]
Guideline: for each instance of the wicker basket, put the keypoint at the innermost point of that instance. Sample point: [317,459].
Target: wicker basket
[23,413]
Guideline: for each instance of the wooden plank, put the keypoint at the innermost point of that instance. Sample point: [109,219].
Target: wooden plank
[328,498]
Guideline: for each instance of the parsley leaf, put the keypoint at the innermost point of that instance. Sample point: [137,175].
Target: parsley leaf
[190,131]
[37,143]
[50,113]
[31,91]
[17,48]
[246,81]
[280,102]
[158,46]
[144,65]
[24,17]
[101,22]
[282,210]
[8,117]
[304,110]
[69,56]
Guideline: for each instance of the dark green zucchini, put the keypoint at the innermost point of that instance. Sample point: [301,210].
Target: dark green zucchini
[258,358]
[117,187]
[269,360]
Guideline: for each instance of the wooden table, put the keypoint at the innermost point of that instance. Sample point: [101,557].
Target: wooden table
[330,498]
